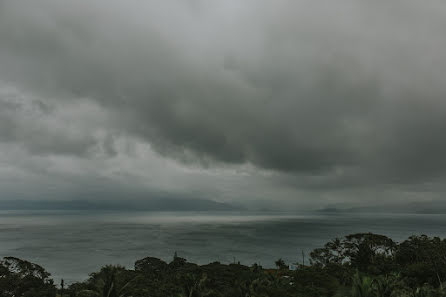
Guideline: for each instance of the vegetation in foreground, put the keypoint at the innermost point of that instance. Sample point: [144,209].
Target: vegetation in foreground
[358,265]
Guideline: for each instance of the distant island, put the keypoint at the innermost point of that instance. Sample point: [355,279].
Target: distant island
[357,265]
[414,207]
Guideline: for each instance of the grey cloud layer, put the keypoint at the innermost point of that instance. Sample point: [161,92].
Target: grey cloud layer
[51,128]
[344,93]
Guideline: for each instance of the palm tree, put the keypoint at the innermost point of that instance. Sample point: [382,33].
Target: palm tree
[362,286]
[109,283]
[196,286]
[385,285]
[280,264]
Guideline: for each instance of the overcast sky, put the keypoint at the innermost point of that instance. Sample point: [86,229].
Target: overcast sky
[276,104]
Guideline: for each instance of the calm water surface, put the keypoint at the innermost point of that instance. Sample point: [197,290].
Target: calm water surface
[72,244]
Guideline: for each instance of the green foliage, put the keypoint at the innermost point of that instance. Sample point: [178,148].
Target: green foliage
[364,251]
[110,281]
[151,265]
[20,278]
[387,284]
[422,260]
[358,265]
[315,281]
[362,286]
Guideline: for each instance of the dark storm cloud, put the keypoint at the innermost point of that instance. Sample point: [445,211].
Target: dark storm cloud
[351,93]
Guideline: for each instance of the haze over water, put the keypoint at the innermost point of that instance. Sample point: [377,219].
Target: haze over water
[71,244]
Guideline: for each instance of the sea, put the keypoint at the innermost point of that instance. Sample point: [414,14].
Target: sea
[72,244]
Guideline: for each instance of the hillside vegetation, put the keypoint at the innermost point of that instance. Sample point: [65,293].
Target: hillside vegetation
[358,265]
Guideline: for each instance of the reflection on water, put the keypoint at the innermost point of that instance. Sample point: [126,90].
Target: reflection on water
[72,244]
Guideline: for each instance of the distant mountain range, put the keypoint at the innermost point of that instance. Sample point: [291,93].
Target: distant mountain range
[414,207]
[164,204]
